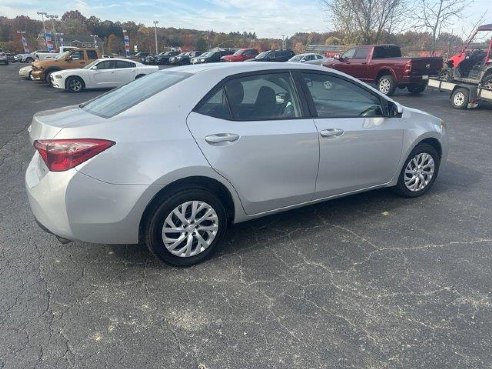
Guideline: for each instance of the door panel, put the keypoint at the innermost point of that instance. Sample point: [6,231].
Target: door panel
[272,164]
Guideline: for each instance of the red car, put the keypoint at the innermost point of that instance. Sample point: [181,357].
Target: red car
[240,55]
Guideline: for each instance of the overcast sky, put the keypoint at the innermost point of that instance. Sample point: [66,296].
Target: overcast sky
[268,18]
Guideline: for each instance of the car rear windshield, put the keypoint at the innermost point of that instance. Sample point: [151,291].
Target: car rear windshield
[133,93]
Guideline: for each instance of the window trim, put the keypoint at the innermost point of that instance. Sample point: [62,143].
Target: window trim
[309,99]
[305,112]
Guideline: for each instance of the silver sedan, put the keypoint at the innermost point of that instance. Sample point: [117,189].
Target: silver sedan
[173,158]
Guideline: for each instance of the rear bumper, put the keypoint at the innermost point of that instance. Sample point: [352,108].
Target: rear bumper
[417,80]
[76,207]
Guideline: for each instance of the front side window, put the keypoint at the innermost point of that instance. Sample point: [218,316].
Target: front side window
[349,54]
[107,64]
[361,53]
[335,97]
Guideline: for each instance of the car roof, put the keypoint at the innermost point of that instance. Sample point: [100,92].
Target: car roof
[235,68]
[120,59]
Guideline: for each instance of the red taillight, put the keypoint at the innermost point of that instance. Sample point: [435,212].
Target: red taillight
[408,67]
[64,154]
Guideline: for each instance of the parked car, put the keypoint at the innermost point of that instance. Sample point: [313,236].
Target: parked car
[385,66]
[44,54]
[25,58]
[184,58]
[163,59]
[140,56]
[101,73]
[211,56]
[72,59]
[274,56]
[4,58]
[170,161]
[309,58]
[240,55]
[25,72]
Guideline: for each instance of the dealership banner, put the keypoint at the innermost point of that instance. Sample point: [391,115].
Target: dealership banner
[49,41]
[24,44]
[127,44]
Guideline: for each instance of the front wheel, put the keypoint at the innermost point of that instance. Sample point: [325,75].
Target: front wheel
[419,171]
[387,85]
[185,228]
[74,84]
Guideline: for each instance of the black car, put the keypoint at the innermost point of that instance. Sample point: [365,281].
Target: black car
[163,58]
[274,56]
[184,58]
[211,56]
[140,56]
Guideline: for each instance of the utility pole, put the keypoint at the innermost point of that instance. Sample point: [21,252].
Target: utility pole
[42,14]
[155,34]
[53,17]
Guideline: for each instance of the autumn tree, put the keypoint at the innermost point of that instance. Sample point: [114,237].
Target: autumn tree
[433,15]
[363,21]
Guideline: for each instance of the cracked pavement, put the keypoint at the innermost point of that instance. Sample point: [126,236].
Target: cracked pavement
[368,281]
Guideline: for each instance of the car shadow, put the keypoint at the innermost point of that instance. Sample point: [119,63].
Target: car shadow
[259,233]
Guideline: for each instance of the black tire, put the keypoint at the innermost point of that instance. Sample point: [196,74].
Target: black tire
[401,188]
[417,89]
[74,84]
[29,60]
[47,76]
[29,77]
[162,208]
[460,98]
[386,84]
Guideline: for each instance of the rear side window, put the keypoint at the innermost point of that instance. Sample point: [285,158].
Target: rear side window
[124,64]
[383,52]
[91,54]
[123,98]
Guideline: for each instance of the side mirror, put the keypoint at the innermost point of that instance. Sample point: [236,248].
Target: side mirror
[394,109]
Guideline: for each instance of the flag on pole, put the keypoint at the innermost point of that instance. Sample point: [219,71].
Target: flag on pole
[49,41]
[127,44]
[24,44]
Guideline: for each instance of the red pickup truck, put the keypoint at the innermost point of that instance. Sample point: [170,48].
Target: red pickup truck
[384,66]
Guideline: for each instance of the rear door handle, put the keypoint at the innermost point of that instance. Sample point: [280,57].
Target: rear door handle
[331,132]
[222,137]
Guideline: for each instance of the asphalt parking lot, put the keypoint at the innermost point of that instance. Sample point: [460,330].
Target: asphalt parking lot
[369,281]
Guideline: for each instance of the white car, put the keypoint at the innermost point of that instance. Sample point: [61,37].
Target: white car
[25,72]
[309,58]
[101,73]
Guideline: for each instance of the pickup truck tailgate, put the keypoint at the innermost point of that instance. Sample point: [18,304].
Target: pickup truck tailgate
[430,66]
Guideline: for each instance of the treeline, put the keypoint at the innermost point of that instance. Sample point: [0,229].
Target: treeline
[73,24]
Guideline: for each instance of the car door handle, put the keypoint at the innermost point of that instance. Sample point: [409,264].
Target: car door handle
[222,137]
[331,132]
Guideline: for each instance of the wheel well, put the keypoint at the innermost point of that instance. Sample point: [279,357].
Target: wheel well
[384,72]
[207,183]
[139,76]
[435,144]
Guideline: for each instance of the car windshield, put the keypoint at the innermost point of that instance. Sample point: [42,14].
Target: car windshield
[262,54]
[296,58]
[207,54]
[63,56]
[116,101]
[239,52]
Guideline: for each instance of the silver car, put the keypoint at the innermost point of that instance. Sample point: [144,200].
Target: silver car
[174,157]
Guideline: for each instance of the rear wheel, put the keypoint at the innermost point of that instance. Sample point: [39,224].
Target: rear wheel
[185,227]
[460,98]
[419,171]
[29,60]
[386,85]
[74,84]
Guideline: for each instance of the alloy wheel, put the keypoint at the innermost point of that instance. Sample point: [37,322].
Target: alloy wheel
[459,99]
[419,172]
[190,228]
[75,85]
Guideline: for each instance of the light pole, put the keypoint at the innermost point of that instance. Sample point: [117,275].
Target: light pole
[94,37]
[42,14]
[53,17]
[155,34]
